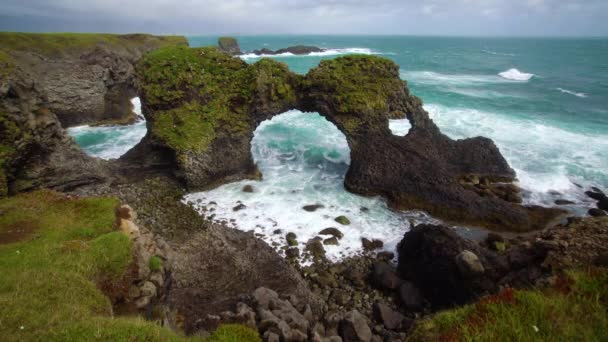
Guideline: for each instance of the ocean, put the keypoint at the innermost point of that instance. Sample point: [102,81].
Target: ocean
[543,101]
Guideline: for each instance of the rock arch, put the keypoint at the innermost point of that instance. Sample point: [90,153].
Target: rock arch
[203,106]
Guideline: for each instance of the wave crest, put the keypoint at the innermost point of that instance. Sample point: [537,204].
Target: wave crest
[328,52]
[516,75]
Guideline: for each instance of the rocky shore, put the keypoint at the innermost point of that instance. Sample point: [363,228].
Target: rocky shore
[202,105]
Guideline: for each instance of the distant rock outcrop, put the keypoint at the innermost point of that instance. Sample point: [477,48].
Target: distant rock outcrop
[296,50]
[229,45]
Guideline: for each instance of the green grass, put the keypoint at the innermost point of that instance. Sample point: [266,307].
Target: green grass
[197,94]
[575,309]
[234,333]
[155,263]
[53,44]
[48,285]
[49,273]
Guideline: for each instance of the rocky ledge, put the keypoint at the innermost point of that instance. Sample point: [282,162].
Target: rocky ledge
[295,50]
[52,81]
[203,112]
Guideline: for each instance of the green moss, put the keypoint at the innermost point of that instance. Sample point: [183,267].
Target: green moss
[195,93]
[52,44]
[357,83]
[155,264]
[47,287]
[576,308]
[274,81]
[7,65]
[234,333]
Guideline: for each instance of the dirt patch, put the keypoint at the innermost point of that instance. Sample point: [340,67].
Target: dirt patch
[17,231]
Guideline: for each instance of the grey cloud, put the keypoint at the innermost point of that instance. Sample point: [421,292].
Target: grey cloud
[441,17]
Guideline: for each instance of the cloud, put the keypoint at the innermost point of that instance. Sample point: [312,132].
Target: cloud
[450,17]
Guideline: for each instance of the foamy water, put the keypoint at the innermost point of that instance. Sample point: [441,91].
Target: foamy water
[326,53]
[110,142]
[304,158]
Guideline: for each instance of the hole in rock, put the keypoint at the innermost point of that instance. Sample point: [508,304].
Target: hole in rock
[399,127]
[110,141]
[303,158]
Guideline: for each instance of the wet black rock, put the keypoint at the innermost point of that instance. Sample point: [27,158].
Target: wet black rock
[248,188]
[596,212]
[313,207]
[563,202]
[371,245]
[240,206]
[332,231]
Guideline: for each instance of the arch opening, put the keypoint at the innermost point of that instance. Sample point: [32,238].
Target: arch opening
[111,141]
[303,158]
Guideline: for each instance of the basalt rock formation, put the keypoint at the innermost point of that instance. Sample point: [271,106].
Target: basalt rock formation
[51,81]
[202,107]
[296,50]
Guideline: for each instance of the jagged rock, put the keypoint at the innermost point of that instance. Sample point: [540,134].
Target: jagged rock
[292,252]
[371,245]
[411,297]
[263,296]
[332,231]
[353,327]
[387,316]
[469,263]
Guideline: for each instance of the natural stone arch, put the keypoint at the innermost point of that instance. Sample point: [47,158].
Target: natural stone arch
[203,106]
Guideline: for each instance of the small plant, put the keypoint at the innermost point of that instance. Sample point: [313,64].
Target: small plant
[155,264]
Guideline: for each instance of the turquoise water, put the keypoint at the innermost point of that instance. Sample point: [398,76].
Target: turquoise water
[543,101]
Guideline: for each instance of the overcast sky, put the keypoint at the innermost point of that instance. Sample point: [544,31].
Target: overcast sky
[408,17]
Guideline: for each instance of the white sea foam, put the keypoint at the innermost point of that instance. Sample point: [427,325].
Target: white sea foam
[566,91]
[546,158]
[303,159]
[516,75]
[399,127]
[328,52]
[110,142]
[435,78]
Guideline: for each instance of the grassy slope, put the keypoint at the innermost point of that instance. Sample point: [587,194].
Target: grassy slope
[575,309]
[49,268]
[60,43]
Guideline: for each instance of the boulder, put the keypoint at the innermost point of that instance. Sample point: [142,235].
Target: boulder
[440,263]
[248,188]
[291,239]
[313,207]
[603,204]
[331,241]
[385,277]
[390,318]
[469,263]
[332,231]
[411,297]
[353,327]
[343,220]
